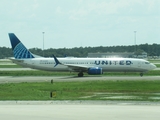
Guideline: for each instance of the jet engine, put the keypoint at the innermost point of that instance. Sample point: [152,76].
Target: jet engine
[95,71]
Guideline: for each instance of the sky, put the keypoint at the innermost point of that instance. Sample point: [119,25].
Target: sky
[80,23]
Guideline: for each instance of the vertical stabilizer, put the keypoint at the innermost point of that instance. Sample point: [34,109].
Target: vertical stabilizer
[19,50]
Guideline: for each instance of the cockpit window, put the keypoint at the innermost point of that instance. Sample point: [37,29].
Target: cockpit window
[147,63]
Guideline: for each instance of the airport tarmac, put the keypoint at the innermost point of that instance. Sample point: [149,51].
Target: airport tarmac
[77,111]
[13,79]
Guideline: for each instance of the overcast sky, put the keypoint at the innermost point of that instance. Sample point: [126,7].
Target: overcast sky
[76,23]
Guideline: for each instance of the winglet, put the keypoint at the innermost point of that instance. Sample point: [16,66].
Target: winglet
[56,60]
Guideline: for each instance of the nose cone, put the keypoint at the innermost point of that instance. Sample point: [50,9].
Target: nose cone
[153,66]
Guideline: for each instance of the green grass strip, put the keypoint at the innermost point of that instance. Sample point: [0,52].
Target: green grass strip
[89,90]
[10,66]
[158,65]
[47,73]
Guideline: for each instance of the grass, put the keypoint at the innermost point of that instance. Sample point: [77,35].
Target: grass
[47,73]
[89,90]
[158,65]
[154,61]
[10,66]
[35,73]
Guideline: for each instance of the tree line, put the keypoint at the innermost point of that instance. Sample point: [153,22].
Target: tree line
[151,50]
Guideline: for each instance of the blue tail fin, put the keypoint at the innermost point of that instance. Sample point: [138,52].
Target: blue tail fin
[19,50]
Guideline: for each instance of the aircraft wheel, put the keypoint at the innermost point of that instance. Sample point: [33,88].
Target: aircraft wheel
[80,74]
[141,74]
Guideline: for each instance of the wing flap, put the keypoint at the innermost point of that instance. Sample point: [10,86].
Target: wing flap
[76,67]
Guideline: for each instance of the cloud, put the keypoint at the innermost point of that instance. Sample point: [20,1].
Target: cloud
[79,20]
[113,7]
[100,8]
[59,11]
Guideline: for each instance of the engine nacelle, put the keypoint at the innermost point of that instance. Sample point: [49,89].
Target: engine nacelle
[95,71]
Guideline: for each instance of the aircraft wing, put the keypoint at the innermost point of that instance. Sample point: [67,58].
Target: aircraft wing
[71,66]
[76,67]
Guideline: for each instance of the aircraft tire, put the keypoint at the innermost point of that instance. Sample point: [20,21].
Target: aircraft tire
[80,74]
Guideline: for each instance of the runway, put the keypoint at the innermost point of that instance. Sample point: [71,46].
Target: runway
[13,79]
[78,111]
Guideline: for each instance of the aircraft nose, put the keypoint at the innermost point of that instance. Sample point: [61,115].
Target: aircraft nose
[153,66]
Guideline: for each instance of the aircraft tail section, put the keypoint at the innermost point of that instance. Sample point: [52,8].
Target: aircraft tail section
[19,50]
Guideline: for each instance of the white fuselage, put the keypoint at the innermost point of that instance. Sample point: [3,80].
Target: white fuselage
[107,64]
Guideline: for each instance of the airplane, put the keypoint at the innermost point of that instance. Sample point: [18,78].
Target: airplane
[92,66]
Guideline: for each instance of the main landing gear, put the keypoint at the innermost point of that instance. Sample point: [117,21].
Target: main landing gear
[80,74]
[141,74]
